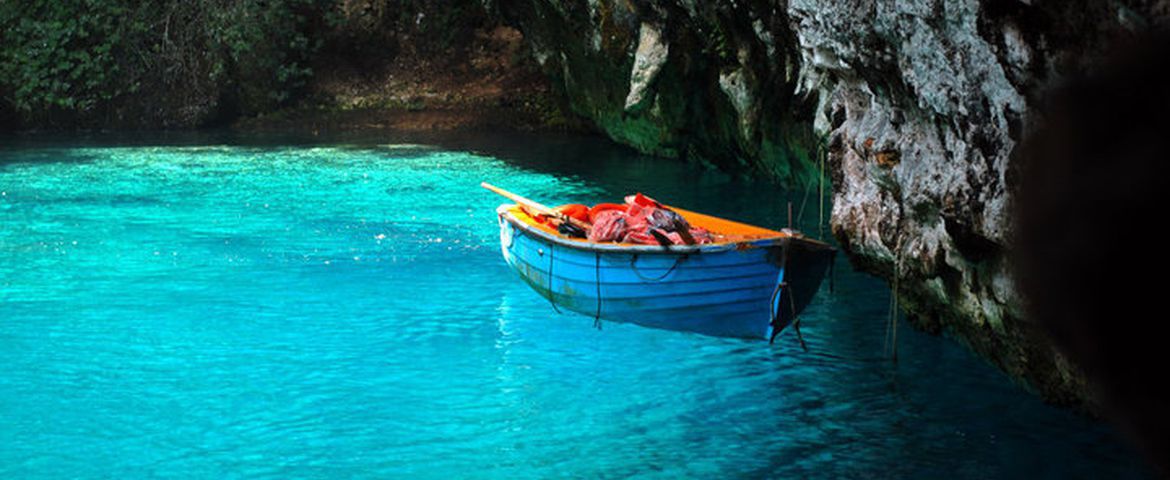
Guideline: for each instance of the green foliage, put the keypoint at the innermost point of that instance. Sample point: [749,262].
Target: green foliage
[81,58]
[61,54]
[268,47]
[447,24]
[183,63]
[372,27]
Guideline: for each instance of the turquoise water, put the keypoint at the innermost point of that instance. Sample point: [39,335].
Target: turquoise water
[219,307]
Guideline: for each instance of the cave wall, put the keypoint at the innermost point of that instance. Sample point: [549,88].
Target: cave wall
[706,81]
[920,105]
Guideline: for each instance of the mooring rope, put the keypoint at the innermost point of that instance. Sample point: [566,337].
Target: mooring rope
[892,326]
[773,307]
[822,152]
[597,278]
[511,235]
[774,301]
[634,266]
[891,345]
[803,203]
[796,320]
[551,295]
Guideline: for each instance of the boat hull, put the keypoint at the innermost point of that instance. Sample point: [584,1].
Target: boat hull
[741,290]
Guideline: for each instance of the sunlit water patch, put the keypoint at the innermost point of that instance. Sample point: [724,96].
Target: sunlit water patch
[343,311]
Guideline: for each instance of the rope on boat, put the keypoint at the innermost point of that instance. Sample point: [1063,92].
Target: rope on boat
[774,301]
[551,296]
[796,320]
[634,267]
[777,298]
[773,307]
[781,289]
[597,278]
[511,234]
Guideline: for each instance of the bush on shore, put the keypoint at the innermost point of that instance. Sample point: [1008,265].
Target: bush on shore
[155,63]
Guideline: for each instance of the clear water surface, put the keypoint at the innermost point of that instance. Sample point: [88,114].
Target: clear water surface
[220,306]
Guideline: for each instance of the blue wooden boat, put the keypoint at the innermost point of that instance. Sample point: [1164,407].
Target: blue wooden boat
[751,282]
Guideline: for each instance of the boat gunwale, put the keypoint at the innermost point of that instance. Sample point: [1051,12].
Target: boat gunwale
[504,213]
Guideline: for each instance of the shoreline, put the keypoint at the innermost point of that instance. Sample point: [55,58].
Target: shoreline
[321,120]
[444,118]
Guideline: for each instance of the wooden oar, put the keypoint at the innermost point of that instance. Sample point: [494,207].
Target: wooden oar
[536,207]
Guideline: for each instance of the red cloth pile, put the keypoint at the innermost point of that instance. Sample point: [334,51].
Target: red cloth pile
[636,221]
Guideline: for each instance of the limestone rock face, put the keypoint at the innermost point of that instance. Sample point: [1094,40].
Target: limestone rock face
[920,106]
[712,82]
[648,61]
[925,104]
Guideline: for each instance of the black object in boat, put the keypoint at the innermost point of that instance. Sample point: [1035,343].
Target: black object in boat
[570,230]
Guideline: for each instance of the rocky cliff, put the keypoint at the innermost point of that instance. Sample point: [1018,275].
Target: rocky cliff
[714,83]
[920,106]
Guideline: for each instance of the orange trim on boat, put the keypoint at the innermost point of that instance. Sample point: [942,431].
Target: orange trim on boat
[724,231]
[727,228]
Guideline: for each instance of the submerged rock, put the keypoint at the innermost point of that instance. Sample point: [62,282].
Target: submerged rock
[920,106]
